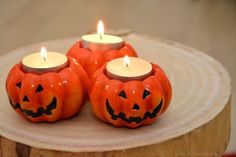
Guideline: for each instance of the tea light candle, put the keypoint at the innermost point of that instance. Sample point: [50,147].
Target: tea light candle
[128,68]
[44,61]
[101,41]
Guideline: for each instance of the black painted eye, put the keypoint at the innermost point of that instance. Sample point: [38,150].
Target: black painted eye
[39,88]
[18,84]
[146,93]
[122,94]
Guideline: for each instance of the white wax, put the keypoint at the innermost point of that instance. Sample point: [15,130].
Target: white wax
[36,63]
[138,69]
[102,43]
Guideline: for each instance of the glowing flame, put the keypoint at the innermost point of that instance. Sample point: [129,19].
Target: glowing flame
[126,61]
[43,53]
[100,29]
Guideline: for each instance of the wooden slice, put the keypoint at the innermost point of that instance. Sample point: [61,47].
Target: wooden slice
[197,122]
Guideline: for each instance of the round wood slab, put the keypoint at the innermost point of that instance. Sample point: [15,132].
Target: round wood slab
[197,122]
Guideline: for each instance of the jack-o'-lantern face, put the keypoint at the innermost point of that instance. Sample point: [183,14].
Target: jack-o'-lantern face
[40,110]
[50,96]
[135,108]
[40,99]
[133,104]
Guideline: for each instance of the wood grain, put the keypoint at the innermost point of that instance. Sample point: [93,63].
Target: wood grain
[208,140]
[197,122]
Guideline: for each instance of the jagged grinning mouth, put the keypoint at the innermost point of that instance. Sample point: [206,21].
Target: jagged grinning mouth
[129,120]
[41,111]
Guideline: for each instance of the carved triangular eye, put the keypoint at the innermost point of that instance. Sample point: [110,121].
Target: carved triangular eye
[39,88]
[146,93]
[18,84]
[122,94]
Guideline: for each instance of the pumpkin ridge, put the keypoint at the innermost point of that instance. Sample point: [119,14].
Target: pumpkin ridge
[90,60]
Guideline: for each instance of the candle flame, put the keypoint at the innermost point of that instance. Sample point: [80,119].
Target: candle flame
[100,29]
[43,53]
[126,61]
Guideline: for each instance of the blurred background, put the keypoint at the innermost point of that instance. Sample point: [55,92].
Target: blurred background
[207,25]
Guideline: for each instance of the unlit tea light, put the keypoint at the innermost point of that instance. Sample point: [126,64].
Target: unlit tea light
[101,41]
[128,68]
[44,61]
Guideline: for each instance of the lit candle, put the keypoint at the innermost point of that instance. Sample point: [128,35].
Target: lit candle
[101,41]
[128,68]
[44,61]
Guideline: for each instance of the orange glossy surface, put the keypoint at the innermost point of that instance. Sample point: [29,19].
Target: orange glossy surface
[50,96]
[93,60]
[132,103]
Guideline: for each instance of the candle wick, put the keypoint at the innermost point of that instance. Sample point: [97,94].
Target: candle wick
[126,65]
[44,58]
[100,36]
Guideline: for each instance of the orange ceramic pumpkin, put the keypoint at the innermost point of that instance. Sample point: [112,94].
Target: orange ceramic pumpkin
[93,60]
[50,96]
[132,103]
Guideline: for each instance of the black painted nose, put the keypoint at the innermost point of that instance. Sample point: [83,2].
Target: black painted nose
[136,107]
[26,98]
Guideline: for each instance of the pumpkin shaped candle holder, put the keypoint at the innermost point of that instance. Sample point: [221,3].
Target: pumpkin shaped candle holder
[130,103]
[92,60]
[50,96]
